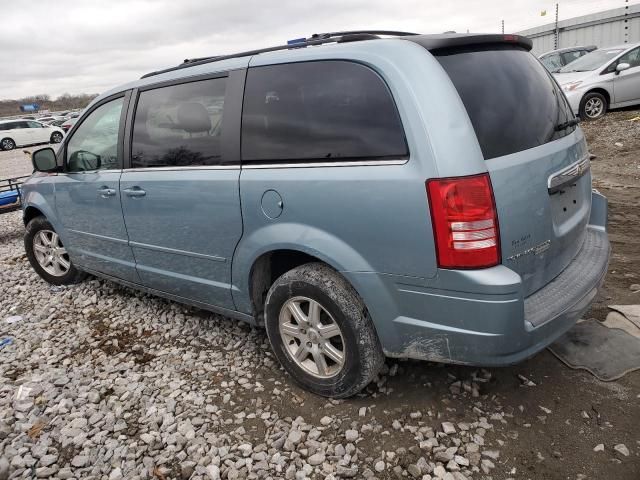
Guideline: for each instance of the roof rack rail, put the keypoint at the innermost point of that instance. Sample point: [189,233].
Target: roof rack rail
[392,33]
[315,39]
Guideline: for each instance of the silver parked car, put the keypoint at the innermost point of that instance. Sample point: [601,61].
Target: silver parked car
[556,59]
[603,79]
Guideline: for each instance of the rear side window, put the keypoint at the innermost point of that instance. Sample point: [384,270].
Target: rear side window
[569,57]
[179,125]
[512,101]
[552,62]
[319,111]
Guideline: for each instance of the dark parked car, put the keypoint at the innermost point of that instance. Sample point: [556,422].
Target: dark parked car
[556,59]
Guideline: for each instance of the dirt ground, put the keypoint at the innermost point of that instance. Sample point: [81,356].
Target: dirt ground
[546,431]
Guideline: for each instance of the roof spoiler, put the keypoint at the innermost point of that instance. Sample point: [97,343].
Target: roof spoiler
[461,40]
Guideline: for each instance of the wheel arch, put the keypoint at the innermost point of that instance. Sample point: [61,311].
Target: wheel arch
[30,213]
[602,91]
[267,268]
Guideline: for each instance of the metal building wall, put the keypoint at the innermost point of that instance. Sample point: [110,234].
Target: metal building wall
[611,27]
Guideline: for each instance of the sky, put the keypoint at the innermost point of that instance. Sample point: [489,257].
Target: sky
[89,46]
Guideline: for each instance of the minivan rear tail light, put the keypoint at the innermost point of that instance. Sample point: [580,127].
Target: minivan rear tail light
[465,223]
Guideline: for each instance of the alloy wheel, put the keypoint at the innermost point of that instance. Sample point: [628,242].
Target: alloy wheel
[594,107]
[50,253]
[311,337]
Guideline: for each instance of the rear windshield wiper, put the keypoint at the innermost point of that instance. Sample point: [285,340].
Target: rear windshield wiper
[568,124]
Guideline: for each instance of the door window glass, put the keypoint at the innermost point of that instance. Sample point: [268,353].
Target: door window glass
[632,58]
[179,125]
[320,111]
[94,145]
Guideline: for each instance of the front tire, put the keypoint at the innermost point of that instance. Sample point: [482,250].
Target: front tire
[321,333]
[592,106]
[47,255]
[56,137]
[7,144]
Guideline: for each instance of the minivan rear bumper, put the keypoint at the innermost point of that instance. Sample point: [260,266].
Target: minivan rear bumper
[483,318]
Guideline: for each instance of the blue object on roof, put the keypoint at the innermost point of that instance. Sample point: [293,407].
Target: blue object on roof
[296,40]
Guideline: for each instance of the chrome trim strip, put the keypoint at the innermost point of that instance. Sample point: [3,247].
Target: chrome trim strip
[101,237]
[365,163]
[174,169]
[156,248]
[569,174]
[106,170]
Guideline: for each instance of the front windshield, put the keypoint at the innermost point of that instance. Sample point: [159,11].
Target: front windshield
[593,60]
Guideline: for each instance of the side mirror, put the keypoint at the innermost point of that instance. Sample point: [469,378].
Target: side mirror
[44,160]
[621,67]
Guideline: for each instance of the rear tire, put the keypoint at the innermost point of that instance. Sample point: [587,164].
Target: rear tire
[56,137]
[7,144]
[47,255]
[592,106]
[340,351]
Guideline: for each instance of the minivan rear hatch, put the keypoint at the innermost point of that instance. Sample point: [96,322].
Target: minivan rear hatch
[536,156]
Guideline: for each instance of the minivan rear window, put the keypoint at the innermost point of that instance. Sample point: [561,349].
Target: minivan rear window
[319,111]
[513,102]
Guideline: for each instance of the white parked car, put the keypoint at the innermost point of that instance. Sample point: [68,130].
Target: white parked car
[603,79]
[18,133]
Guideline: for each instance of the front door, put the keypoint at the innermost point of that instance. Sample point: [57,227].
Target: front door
[180,198]
[626,84]
[88,197]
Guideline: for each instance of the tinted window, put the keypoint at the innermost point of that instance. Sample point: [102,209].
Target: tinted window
[5,126]
[94,145]
[180,125]
[319,111]
[512,101]
[20,125]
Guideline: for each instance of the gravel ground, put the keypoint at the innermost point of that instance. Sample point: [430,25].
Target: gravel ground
[102,382]
[15,163]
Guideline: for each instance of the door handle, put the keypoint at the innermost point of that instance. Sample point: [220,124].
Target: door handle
[134,192]
[105,192]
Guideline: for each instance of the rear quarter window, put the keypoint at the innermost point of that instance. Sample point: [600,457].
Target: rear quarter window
[512,101]
[319,111]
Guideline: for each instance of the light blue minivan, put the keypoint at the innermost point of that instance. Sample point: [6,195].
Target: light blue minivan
[358,194]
